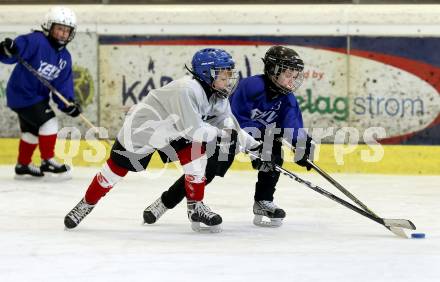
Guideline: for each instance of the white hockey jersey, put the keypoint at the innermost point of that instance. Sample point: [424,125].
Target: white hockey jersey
[179,109]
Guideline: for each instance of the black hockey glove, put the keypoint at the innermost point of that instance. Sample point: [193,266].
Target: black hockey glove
[258,163]
[305,152]
[73,110]
[8,48]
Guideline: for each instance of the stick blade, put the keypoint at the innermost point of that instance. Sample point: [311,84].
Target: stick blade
[402,223]
[398,231]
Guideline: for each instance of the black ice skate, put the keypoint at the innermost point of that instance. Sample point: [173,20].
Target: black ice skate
[154,211]
[198,213]
[77,214]
[30,172]
[269,210]
[56,170]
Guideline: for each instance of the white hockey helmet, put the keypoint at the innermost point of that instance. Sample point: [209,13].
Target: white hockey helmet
[60,15]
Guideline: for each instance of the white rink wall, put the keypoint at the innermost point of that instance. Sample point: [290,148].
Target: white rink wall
[238,19]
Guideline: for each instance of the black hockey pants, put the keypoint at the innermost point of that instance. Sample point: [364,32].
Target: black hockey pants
[264,188]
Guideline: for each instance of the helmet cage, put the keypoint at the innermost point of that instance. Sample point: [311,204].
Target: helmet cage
[279,69]
[220,74]
[277,61]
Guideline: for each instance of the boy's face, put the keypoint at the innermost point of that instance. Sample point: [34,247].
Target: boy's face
[287,78]
[60,32]
[225,81]
[222,79]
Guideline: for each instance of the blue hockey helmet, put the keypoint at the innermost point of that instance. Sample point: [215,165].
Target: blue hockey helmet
[209,63]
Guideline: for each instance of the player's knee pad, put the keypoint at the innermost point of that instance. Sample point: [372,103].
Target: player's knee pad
[50,127]
[29,138]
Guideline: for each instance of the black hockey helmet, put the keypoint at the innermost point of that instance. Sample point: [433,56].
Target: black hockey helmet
[279,59]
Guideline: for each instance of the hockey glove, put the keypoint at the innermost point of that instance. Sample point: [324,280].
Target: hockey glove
[259,163]
[8,48]
[304,153]
[73,110]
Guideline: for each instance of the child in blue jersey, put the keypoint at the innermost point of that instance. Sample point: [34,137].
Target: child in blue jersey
[46,52]
[266,107]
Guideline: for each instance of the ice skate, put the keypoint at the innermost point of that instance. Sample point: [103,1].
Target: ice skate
[55,171]
[28,172]
[199,213]
[77,214]
[154,211]
[269,210]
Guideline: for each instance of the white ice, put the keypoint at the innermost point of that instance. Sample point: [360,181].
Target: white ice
[319,241]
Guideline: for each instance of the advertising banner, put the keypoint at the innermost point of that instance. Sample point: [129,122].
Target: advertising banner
[355,82]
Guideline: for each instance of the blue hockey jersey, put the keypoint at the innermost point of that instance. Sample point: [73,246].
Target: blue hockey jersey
[253,108]
[23,88]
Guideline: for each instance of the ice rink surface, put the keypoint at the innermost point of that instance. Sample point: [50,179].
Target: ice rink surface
[319,241]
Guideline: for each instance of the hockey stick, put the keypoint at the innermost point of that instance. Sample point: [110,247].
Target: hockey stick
[337,185]
[394,225]
[54,91]
[334,182]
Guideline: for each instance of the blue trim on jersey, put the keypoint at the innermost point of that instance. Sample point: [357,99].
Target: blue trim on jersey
[24,89]
[253,108]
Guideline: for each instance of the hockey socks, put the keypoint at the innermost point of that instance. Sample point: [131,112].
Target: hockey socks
[26,149]
[103,181]
[47,146]
[24,169]
[194,187]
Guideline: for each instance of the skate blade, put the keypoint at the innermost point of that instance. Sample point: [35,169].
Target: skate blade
[57,177]
[27,177]
[273,222]
[195,226]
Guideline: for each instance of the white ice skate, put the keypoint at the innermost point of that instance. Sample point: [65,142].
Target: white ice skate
[268,210]
[199,213]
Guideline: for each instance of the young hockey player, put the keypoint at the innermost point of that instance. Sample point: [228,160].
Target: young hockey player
[29,98]
[265,105]
[176,119]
